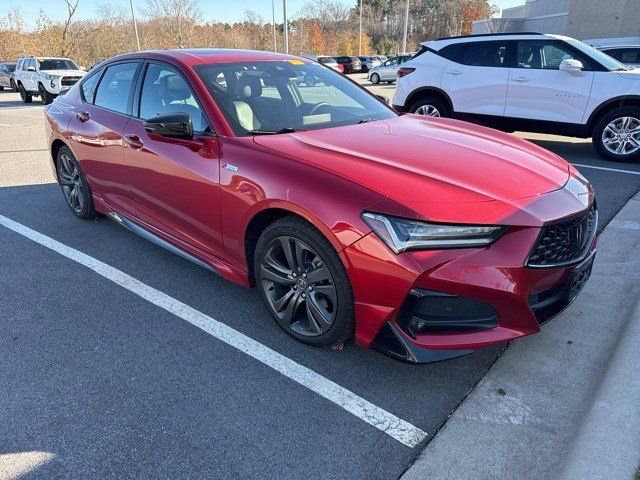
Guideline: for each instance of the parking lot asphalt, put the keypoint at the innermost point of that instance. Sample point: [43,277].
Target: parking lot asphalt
[100,383]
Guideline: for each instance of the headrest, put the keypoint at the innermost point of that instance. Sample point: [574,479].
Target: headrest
[249,86]
[173,87]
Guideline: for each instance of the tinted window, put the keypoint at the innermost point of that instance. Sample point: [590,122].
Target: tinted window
[31,63]
[450,52]
[391,61]
[115,87]
[484,54]
[625,55]
[88,87]
[166,91]
[544,55]
[57,64]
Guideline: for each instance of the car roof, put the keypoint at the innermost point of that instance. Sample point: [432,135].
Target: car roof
[443,42]
[192,57]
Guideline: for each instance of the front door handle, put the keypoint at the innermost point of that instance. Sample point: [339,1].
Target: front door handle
[134,142]
[454,72]
[520,79]
[83,116]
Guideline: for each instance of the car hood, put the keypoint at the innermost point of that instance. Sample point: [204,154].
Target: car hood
[430,165]
[64,73]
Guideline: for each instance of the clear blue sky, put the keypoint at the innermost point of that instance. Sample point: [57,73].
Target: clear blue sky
[213,10]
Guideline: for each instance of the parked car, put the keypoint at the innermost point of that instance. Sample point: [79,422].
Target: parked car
[388,71]
[6,70]
[341,211]
[350,64]
[326,61]
[629,55]
[528,82]
[370,62]
[45,77]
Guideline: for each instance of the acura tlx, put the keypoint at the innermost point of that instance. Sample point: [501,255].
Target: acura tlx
[426,238]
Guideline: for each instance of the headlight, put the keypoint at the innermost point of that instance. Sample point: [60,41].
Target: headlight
[51,77]
[402,234]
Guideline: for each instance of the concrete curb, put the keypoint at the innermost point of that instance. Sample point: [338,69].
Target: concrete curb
[563,403]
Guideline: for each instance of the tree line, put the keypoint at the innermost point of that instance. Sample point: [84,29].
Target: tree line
[320,27]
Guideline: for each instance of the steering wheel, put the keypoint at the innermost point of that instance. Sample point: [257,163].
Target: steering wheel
[318,107]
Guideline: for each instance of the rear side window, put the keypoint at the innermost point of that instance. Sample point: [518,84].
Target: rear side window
[625,55]
[88,87]
[484,54]
[115,87]
[451,52]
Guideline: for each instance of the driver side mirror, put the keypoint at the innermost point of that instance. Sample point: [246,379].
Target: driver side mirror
[31,69]
[172,125]
[572,66]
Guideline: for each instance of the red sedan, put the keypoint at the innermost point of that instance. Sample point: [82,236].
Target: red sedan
[426,238]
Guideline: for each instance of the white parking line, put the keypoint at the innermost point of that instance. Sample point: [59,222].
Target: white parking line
[619,170]
[393,426]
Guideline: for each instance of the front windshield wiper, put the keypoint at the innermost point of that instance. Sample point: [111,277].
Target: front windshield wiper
[274,132]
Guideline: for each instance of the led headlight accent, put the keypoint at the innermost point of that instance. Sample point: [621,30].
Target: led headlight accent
[402,234]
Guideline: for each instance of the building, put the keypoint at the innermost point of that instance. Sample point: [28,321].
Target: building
[616,22]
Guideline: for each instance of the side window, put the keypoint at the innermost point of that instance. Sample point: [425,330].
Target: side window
[625,55]
[88,87]
[391,61]
[544,55]
[115,87]
[451,52]
[31,63]
[166,91]
[485,54]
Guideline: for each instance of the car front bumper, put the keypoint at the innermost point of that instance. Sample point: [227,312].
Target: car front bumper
[495,277]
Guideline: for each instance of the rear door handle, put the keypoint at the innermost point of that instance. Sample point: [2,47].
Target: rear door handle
[520,79]
[454,72]
[83,116]
[134,141]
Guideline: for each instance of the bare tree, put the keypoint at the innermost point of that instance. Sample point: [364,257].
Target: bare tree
[175,18]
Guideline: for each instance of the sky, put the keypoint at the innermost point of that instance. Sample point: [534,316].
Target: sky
[212,10]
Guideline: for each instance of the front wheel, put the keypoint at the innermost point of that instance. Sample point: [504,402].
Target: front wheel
[45,96]
[616,136]
[74,186]
[14,87]
[429,107]
[24,95]
[375,78]
[304,283]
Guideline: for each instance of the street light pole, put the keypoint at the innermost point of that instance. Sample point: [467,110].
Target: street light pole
[135,24]
[360,36]
[286,27]
[273,23]
[406,27]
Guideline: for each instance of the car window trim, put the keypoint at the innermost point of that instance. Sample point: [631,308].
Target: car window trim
[97,73]
[138,93]
[590,64]
[134,80]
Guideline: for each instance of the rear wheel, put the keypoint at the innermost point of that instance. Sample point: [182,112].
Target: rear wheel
[304,283]
[24,95]
[1,88]
[616,136]
[74,186]
[430,107]
[375,78]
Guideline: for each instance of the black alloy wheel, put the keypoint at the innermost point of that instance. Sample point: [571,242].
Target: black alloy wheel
[74,187]
[304,283]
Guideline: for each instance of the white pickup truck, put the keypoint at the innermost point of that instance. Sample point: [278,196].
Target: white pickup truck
[45,77]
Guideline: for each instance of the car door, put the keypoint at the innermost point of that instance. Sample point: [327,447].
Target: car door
[98,125]
[174,182]
[28,79]
[477,78]
[388,71]
[539,90]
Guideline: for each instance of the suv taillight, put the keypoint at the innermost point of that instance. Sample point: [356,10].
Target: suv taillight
[405,71]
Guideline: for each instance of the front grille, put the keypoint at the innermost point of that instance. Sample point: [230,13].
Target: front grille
[565,242]
[68,81]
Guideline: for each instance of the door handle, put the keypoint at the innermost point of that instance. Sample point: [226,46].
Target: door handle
[454,72]
[520,79]
[134,141]
[83,116]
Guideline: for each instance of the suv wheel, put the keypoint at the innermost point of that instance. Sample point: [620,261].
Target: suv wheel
[14,87]
[24,95]
[45,96]
[74,186]
[430,107]
[304,283]
[375,78]
[617,135]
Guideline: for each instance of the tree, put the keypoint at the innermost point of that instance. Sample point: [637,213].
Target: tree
[173,22]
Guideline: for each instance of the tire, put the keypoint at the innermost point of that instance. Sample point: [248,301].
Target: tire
[375,78]
[14,87]
[604,130]
[45,96]
[26,96]
[1,88]
[71,179]
[327,287]
[364,69]
[430,106]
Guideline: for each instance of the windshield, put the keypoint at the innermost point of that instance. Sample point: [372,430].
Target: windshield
[284,96]
[608,62]
[11,66]
[57,64]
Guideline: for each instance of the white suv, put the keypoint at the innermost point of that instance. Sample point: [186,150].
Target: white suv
[45,77]
[527,82]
